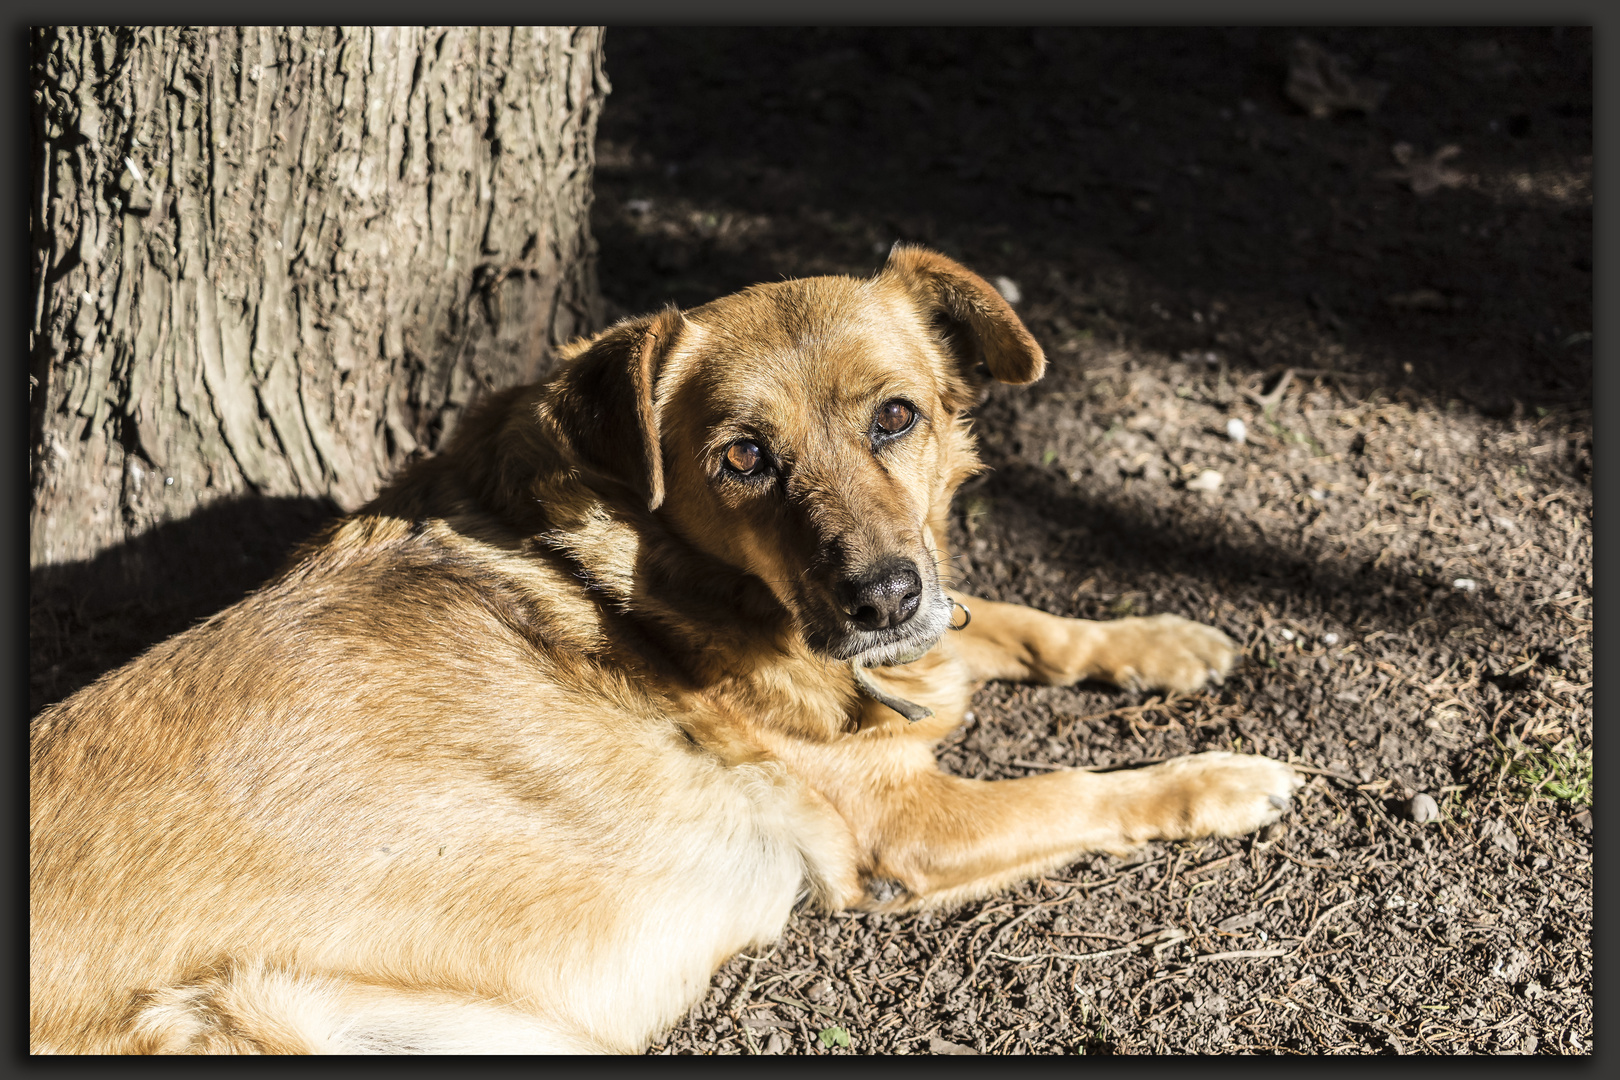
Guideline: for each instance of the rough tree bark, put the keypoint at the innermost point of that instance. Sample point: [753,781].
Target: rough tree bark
[277,262]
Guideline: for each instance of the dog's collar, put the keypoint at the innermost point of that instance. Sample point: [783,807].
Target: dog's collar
[908,709]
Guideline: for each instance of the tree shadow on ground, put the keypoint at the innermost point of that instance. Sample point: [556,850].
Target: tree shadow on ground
[86,618]
[1134,182]
[1140,541]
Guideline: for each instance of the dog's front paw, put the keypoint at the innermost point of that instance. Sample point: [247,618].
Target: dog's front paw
[1162,652]
[1222,794]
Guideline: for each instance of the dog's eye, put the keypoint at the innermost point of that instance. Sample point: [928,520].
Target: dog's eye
[745,458]
[893,418]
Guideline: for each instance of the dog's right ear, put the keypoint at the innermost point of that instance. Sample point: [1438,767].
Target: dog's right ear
[602,403]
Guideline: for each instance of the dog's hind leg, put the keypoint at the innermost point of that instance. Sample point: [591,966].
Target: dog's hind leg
[261,1009]
[1009,641]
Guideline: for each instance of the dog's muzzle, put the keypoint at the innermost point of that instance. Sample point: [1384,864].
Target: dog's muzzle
[890,613]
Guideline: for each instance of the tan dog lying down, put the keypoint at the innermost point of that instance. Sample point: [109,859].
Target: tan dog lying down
[514,757]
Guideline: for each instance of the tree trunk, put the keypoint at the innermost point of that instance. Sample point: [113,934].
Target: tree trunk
[278,262]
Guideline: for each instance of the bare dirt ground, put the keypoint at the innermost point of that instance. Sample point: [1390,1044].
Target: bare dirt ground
[1402,541]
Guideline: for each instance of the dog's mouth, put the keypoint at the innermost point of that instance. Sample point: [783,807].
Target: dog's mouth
[900,646]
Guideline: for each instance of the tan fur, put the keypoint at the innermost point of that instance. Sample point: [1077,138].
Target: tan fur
[514,757]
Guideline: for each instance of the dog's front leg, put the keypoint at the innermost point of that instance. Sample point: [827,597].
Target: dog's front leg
[1160,652]
[944,839]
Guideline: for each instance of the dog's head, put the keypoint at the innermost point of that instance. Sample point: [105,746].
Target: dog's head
[810,433]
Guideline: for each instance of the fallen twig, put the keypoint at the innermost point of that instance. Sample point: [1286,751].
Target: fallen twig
[1270,400]
[1066,956]
[994,941]
[740,995]
[1377,806]
[1124,712]
[1321,919]
[1211,865]
[1314,771]
[1157,940]
[1244,954]
[922,987]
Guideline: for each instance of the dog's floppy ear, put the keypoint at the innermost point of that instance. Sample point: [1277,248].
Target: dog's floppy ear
[969,308]
[603,402]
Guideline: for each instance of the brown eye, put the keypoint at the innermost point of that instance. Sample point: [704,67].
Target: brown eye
[744,457]
[894,417]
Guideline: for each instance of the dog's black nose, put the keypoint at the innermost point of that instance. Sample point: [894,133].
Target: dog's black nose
[886,595]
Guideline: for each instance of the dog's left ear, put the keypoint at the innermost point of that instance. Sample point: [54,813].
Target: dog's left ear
[603,403]
[975,319]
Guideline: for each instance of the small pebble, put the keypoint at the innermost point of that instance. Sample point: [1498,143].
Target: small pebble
[1330,639]
[1465,584]
[1008,288]
[1208,480]
[1422,809]
[1318,494]
[1237,431]
[1287,634]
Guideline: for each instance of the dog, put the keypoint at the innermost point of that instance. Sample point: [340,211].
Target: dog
[513,758]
